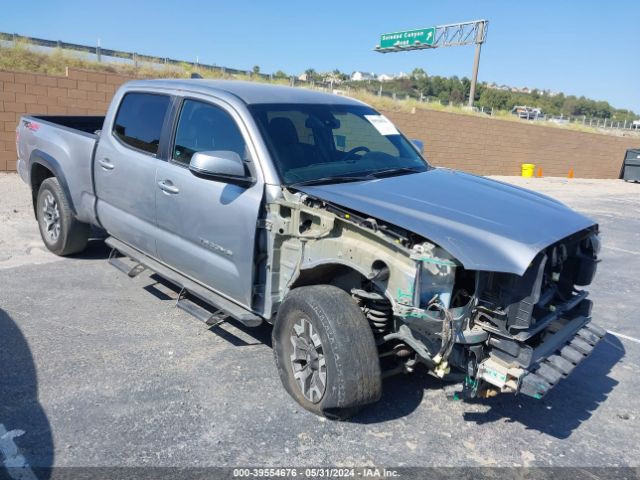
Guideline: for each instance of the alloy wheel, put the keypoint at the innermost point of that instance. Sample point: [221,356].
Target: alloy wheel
[308,360]
[51,217]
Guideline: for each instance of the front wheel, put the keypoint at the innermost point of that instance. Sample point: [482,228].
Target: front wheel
[61,232]
[325,352]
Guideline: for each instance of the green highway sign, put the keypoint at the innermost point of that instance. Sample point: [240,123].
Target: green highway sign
[410,38]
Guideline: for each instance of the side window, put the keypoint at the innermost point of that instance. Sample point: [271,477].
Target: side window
[203,127]
[139,120]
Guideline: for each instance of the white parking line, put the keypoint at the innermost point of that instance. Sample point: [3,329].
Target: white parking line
[623,250]
[626,337]
[14,461]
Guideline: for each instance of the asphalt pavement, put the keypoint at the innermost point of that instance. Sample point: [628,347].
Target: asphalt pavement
[99,369]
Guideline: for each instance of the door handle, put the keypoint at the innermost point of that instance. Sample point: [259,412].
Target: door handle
[168,187]
[106,164]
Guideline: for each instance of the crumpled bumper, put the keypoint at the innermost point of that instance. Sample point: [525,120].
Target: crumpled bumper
[549,370]
[549,363]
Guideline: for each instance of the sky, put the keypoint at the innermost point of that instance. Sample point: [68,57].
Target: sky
[579,47]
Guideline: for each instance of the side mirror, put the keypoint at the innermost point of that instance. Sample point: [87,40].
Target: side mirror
[419,144]
[223,165]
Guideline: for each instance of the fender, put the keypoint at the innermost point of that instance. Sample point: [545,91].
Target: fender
[42,158]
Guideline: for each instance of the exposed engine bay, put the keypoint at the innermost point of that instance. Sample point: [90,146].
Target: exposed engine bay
[493,331]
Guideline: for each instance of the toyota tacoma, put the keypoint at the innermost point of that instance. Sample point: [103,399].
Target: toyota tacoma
[312,212]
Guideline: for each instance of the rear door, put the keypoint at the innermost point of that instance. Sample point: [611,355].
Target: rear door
[207,228]
[126,161]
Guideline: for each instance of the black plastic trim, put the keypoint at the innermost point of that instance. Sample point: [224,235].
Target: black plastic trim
[41,158]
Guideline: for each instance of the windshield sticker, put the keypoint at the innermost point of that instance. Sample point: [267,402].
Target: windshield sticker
[382,124]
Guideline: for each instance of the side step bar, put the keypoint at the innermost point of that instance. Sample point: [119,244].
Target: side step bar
[222,306]
[131,271]
[201,313]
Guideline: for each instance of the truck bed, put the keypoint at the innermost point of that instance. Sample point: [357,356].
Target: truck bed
[64,145]
[87,124]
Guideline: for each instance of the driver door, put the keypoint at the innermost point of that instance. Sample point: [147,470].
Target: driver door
[207,227]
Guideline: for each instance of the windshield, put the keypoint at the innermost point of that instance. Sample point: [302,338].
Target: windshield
[325,143]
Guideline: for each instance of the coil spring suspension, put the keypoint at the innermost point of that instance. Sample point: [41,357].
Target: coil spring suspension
[376,308]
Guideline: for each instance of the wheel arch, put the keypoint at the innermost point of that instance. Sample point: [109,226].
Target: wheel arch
[43,166]
[340,273]
[326,273]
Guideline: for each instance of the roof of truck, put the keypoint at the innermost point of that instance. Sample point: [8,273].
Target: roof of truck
[248,92]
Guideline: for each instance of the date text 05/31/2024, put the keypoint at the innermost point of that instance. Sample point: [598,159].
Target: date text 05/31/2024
[365,472]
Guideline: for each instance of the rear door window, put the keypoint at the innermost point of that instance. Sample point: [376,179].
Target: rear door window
[139,120]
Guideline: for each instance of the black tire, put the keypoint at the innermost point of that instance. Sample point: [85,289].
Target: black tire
[350,355]
[72,236]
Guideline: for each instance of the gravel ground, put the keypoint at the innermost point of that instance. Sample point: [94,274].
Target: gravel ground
[99,369]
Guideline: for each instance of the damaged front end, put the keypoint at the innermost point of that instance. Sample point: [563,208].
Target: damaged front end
[495,331]
[539,324]
[506,332]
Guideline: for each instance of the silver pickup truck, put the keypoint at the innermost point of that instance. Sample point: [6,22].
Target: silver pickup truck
[314,213]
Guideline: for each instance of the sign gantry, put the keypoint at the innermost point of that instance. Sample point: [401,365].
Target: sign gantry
[452,35]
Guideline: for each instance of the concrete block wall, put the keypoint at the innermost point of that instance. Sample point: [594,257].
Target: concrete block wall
[479,145]
[488,146]
[79,92]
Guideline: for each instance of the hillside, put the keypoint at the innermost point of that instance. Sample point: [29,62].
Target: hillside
[417,91]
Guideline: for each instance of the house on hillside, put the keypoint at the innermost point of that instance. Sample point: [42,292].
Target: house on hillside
[361,76]
[385,77]
[334,78]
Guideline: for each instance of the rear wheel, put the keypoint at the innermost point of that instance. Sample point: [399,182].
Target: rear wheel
[325,352]
[61,232]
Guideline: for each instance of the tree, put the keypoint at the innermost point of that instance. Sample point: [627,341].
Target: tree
[456,96]
[466,88]
[443,96]
[256,69]
[280,75]
[603,110]
[438,86]
[339,75]
[418,74]
[456,90]
[498,99]
[570,106]
[311,74]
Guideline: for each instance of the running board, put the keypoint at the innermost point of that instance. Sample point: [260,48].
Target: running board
[212,319]
[132,270]
[221,305]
